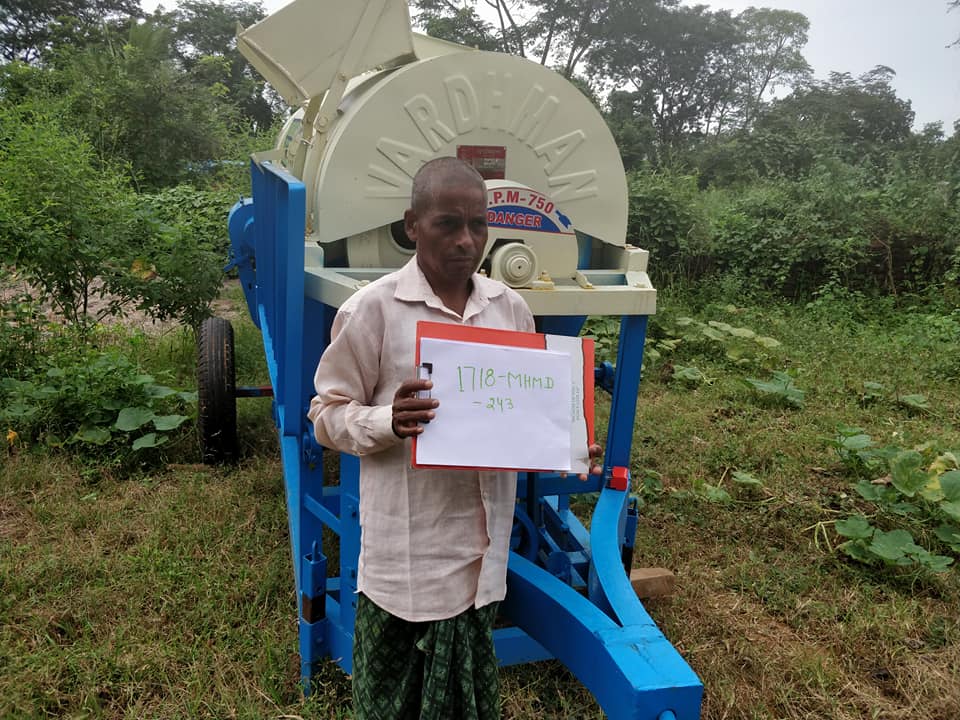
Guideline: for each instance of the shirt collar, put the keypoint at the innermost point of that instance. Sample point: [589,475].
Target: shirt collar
[413,286]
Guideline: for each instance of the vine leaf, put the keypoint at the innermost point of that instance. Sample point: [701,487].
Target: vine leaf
[952,509]
[950,485]
[160,391]
[712,333]
[148,441]
[94,435]
[858,551]
[746,479]
[893,546]
[132,418]
[781,386]
[915,402]
[937,563]
[168,422]
[949,534]
[907,473]
[856,527]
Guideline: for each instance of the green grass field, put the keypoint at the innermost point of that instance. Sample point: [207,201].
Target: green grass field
[168,593]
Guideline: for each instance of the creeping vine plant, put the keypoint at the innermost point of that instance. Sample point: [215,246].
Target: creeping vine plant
[921,490]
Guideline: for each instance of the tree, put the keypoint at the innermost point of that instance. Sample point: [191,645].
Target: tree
[770,54]
[632,128]
[953,5]
[137,106]
[570,30]
[29,27]
[860,116]
[204,41]
[559,33]
[60,216]
[681,60]
[461,25]
[78,232]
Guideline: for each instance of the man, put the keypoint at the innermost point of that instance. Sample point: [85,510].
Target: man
[434,543]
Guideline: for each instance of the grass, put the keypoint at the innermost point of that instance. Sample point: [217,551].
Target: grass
[169,593]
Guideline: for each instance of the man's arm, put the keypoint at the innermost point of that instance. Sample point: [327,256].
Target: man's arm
[346,379]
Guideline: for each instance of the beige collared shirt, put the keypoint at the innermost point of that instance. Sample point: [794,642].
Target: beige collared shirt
[433,542]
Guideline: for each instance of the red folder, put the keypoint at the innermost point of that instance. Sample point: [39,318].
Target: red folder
[509,338]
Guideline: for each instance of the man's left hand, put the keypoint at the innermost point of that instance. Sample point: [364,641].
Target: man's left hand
[596,461]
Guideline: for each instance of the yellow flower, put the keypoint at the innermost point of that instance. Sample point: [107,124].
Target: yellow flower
[12,436]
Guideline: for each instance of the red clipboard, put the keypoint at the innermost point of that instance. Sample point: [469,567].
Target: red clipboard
[509,338]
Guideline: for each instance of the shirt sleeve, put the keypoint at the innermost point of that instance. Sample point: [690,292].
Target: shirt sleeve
[522,314]
[345,381]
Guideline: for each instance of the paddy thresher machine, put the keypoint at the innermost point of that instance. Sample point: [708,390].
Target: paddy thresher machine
[375,101]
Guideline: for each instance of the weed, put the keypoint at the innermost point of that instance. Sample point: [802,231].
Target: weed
[780,389]
[922,487]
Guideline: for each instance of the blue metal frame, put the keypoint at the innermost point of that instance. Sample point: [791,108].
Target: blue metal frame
[568,595]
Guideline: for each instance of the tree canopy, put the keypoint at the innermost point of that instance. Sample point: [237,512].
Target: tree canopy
[738,159]
[30,27]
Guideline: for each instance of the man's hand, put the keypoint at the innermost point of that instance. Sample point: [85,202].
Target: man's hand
[596,462]
[409,411]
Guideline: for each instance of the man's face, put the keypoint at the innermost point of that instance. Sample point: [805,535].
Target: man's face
[450,234]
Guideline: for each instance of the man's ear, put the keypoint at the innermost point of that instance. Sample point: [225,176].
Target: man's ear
[410,224]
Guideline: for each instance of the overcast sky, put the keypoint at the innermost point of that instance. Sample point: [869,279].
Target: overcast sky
[910,36]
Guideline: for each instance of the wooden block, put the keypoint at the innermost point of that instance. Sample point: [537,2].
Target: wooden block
[652,582]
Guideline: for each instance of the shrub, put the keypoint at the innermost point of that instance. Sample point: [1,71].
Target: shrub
[200,215]
[837,227]
[78,231]
[60,218]
[666,218]
[22,327]
[97,403]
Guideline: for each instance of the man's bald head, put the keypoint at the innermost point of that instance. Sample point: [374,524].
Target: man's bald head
[441,173]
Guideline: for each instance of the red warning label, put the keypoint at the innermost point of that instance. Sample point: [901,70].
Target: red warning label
[489,160]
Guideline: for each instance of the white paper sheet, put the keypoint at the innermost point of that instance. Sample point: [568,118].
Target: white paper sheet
[573,347]
[500,407]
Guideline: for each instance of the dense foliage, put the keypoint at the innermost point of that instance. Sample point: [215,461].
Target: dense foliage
[824,185]
[123,140]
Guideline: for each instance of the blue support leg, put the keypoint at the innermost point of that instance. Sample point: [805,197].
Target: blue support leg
[623,408]
[313,613]
[633,671]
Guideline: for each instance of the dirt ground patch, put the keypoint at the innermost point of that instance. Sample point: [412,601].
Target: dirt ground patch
[15,524]
[753,652]
[12,286]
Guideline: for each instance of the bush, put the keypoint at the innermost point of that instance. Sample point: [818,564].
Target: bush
[99,404]
[60,218]
[200,215]
[78,232]
[667,219]
[22,327]
[838,226]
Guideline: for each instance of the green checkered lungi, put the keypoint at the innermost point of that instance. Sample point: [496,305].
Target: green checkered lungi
[440,670]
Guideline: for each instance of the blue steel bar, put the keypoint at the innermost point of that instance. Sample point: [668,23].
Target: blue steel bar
[633,672]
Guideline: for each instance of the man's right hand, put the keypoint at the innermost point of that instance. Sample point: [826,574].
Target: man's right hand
[409,410]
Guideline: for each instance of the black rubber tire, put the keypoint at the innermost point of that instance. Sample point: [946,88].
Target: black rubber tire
[216,392]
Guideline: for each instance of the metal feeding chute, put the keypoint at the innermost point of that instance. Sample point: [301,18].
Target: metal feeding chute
[358,37]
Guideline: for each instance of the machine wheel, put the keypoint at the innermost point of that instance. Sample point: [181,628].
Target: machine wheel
[216,391]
